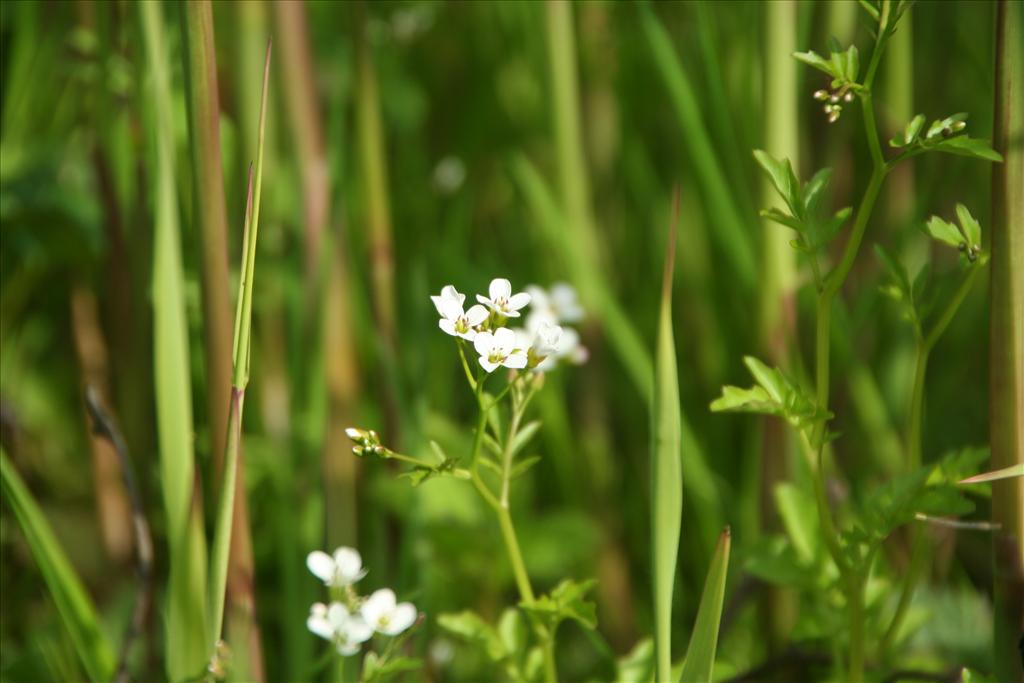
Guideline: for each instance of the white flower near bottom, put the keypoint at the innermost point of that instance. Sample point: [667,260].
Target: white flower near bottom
[383,613]
[344,568]
[454,320]
[501,300]
[335,623]
[499,348]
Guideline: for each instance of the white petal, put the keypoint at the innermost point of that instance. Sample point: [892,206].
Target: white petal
[487,365]
[468,335]
[524,338]
[403,616]
[449,292]
[381,603]
[476,314]
[339,616]
[538,317]
[538,297]
[357,630]
[517,301]
[437,303]
[451,309]
[484,300]
[500,288]
[509,313]
[348,649]
[504,339]
[448,326]
[565,302]
[321,565]
[349,565]
[516,361]
[483,343]
[318,623]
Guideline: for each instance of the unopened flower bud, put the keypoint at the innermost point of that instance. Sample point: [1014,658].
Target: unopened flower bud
[833,98]
[848,96]
[821,95]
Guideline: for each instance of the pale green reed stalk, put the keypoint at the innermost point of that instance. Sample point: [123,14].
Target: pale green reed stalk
[1006,337]
[778,275]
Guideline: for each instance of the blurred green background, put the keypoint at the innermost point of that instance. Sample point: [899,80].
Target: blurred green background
[464,113]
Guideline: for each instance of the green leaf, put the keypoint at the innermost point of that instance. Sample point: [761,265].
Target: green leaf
[780,172]
[913,129]
[186,632]
[700,655]
[812,58]
[374,669]
[851,64]
[785,219]
[798,513]
[512,630]
[773,395]
[814,188]
[566,601]
[522,466]
[74,605]
[637,666]
[968,147]
[970,227]
[666,464]
[471,628]
[944,232]
[523,436]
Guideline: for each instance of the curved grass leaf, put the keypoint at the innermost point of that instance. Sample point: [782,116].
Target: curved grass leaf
[186,629]
[700,655]
[73,603]
[666,466]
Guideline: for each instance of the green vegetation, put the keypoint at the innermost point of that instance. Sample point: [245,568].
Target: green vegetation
[539,473]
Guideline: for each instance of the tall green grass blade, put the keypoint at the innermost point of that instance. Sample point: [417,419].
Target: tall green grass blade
[186,631]
[240,378]
[700,655]
[625,340]
[666,465]
[73,603]
[1006,338]
[733,240]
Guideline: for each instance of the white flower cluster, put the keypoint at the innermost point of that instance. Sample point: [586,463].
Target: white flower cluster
[351,623]
[539,345]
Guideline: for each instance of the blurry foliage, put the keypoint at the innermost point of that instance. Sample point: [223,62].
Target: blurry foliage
[464,86]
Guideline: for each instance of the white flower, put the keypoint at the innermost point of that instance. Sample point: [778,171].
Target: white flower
[382,614]
[501,300]
[335,623]
[567,348]
[559,305]
[546,339]
[499,348]
[454,320]
[345,568]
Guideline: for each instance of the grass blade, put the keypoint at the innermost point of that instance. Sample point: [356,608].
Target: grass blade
[996,475]
[186,632]
[240,378]
[1006,354]
[73,603]
[666,465]
[700,655]
[733,240]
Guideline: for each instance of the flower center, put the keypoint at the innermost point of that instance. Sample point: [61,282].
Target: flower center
[497,356]
[462,325]
[501,303]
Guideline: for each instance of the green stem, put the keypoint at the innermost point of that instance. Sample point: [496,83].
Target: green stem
[951,308]
[918,555]
[855,598]
[917,408]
